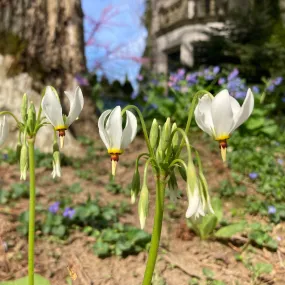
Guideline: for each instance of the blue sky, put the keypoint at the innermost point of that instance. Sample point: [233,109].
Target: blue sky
[123,29]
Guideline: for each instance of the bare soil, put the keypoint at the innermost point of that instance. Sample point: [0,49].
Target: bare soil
[182,255]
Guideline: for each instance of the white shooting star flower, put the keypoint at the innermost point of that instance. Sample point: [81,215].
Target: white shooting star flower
[112,134]
[197,205]
[53,111]
[4,129]
[221,115]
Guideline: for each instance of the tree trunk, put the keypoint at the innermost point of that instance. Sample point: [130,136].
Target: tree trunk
[46,40]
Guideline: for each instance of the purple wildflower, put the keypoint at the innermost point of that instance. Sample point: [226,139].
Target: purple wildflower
[53,208]
[216,70]
[255,89]
[240,95]
[280,161]
[69,212]
[271,210]
[233,74]
[134,95]
[181,72]
[81,80]
[270,88]
[277,81]
[222,81]
[283,99]
[140,77]
[191,78]
[209,77]
[5,156]
[253,175]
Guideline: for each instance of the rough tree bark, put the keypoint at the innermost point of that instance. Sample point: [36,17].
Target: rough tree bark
[52,42]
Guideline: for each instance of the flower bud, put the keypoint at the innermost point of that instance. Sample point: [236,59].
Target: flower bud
[56,161]
[165,135]
[24,107]
[31,121]
[153,134]
[143,205]
[191,176]
[173,188]
[18,151]
[175,139]
[24,162]
[135,186]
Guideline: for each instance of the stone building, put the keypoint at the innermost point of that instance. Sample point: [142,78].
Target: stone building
[178,24]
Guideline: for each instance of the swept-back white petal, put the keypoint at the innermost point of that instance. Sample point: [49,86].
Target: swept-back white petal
[102,130]
[222,113]
[194,202]
[114,128]
[76,105]
[235,106]
[245,110]
[200,211]
[130,130]
[203,115]
[4,130]
[52,108]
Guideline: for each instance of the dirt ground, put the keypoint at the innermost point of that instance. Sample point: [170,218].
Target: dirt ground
[182,255]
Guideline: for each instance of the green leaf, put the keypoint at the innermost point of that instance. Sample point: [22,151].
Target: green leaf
[39,280]
[254,123]
[208,225]
[218,208]
[59,231]
[208,273]
[75,188]
[101,249]
[263,268]
[229,231]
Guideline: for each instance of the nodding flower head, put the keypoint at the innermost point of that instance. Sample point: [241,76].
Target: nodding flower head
[53,111]
[112,134]
[221,115]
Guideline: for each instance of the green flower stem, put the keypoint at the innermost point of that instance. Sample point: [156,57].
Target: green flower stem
[31,143]
[159,206]
[178,160]
[11,114]
[143,126]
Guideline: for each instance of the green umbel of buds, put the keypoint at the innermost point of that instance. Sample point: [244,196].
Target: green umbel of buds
[143,205]
[31,121]
[24,162]
[136,184]
[24,108]
[153,134]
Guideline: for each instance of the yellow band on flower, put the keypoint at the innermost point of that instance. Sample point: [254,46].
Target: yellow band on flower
[115,151]
[60,128]
[222,137]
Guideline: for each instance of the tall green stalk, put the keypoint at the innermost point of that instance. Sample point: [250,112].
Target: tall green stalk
[158,217]
[31,143]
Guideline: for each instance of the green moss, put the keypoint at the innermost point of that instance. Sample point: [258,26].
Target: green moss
[12,44]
